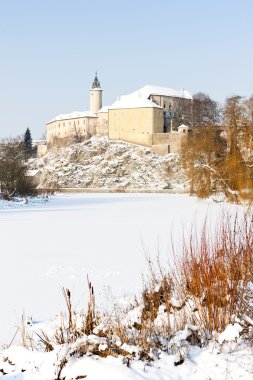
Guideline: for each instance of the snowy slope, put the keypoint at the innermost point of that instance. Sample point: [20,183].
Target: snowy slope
[102,164]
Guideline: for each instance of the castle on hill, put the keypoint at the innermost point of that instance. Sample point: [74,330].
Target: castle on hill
[151,116]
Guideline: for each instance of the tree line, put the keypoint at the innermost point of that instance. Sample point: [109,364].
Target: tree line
[218,156]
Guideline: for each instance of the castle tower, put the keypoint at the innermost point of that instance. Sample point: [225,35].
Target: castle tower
[95,95]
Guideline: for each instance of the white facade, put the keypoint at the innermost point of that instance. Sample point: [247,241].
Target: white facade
[78,126]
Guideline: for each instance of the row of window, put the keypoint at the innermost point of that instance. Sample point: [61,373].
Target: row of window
[65,133]
[74,123]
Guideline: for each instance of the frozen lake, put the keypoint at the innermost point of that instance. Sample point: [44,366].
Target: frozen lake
[47,246]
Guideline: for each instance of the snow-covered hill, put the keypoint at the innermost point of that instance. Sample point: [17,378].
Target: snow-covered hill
[102,164]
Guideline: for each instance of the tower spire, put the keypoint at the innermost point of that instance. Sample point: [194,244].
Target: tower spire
[95,95]
[96,83]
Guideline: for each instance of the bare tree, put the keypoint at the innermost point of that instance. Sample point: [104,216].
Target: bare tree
[238,167]
[202,154]
[78,137]
[13,170]
[211,163]
[205,111]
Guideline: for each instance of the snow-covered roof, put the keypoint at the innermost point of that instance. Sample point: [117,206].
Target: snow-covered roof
[73,115]
[103,109]
[129,101]
[148,90]
[183,126]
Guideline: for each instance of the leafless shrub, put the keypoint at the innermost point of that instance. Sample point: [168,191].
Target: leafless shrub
[209,281]
[91,313]
[13,169]
[205,289]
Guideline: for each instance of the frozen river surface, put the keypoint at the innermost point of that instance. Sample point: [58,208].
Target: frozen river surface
[47,246]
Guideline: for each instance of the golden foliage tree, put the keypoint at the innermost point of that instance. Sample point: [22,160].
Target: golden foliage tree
[215,164]
[201,155]
[238,114]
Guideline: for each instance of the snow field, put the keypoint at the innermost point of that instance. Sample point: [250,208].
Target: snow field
[54,244]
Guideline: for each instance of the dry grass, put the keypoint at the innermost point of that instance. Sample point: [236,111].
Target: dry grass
[205,289]
[209,281]
[215,273]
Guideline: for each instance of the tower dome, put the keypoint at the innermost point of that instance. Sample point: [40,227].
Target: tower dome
[95,95]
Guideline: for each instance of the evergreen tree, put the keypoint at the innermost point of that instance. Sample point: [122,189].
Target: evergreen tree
[28,143]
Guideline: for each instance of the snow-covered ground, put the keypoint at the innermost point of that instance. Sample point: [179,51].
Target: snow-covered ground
[209,363]
[47,245]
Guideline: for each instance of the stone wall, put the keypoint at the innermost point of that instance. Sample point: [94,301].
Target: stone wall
[162,150]
[177,139]
[160,138]
[102,124]
[41,150]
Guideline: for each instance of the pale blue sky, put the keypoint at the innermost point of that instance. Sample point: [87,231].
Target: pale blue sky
[50,50]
